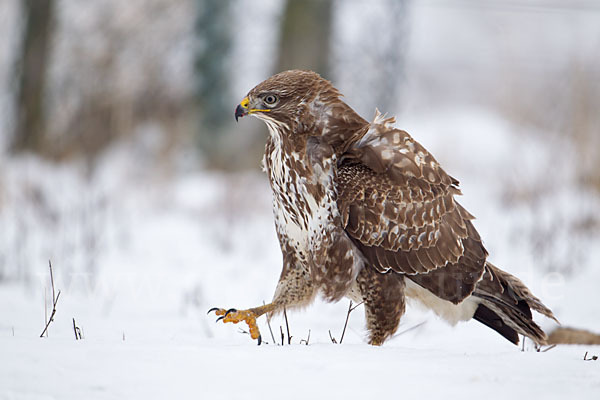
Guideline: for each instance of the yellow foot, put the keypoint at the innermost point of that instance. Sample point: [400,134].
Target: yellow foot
[235,316]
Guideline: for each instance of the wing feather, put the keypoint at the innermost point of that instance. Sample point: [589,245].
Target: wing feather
[397,205]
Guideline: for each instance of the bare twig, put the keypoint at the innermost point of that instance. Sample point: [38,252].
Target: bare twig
[77,331]
[356,306]
[332,338]
[45,306]
[271,330]
[287,326]
[346,322]
[307,339]
[547,348]
[350,309]
[410,329]
[54,302]
[282,337]
[51,279]
[51,315]
[539,348]
[269,325]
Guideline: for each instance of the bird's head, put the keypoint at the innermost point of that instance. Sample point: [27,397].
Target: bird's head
[286,98]
[299,102]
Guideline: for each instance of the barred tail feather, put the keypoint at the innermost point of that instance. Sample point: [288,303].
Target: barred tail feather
[506,304]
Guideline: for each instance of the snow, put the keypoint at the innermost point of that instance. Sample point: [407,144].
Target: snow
[191,368]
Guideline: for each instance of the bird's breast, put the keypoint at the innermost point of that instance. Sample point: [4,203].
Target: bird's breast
[304,206]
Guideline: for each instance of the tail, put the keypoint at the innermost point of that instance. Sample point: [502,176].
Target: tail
[506,305]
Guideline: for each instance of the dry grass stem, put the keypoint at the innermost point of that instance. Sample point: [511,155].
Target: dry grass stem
[547,348]
[269,325]
[307,340]
[410,329]
[350,309]
[287,326]
[77,331]
[54,302]
[332,338]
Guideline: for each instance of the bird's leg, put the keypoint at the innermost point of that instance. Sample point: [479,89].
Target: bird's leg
[294,289]
[383,296]
[248,316]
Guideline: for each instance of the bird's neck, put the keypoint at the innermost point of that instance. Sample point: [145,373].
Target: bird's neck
[336,124]
[328,120]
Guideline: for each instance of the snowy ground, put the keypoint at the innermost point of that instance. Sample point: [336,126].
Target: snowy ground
[193,368]
[140,256]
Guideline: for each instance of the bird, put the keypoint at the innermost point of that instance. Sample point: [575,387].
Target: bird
[364,211]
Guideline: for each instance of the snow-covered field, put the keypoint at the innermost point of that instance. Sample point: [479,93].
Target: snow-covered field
[188,367]
[142,247]
[140,256]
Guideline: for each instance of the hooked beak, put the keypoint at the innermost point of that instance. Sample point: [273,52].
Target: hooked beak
[242,109]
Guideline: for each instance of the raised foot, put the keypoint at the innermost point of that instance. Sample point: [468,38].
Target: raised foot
[235,316]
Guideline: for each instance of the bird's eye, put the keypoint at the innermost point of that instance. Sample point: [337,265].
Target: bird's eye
[270,99]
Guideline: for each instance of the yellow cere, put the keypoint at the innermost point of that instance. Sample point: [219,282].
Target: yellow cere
[245,103]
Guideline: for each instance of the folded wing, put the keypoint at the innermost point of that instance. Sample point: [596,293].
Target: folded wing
[397,205]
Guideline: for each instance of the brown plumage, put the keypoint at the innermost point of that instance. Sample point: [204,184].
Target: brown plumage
[362,210]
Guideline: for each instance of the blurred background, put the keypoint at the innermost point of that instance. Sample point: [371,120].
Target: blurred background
[120,159]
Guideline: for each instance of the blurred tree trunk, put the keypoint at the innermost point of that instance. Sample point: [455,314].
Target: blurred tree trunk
[214,33]
[305,35]
[390,56]
[34,60]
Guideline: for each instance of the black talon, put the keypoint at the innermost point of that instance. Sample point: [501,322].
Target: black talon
[212,309]
[259,340]
[220,318]
[229,311]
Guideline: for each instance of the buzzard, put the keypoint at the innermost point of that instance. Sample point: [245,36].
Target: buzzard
[363,211]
